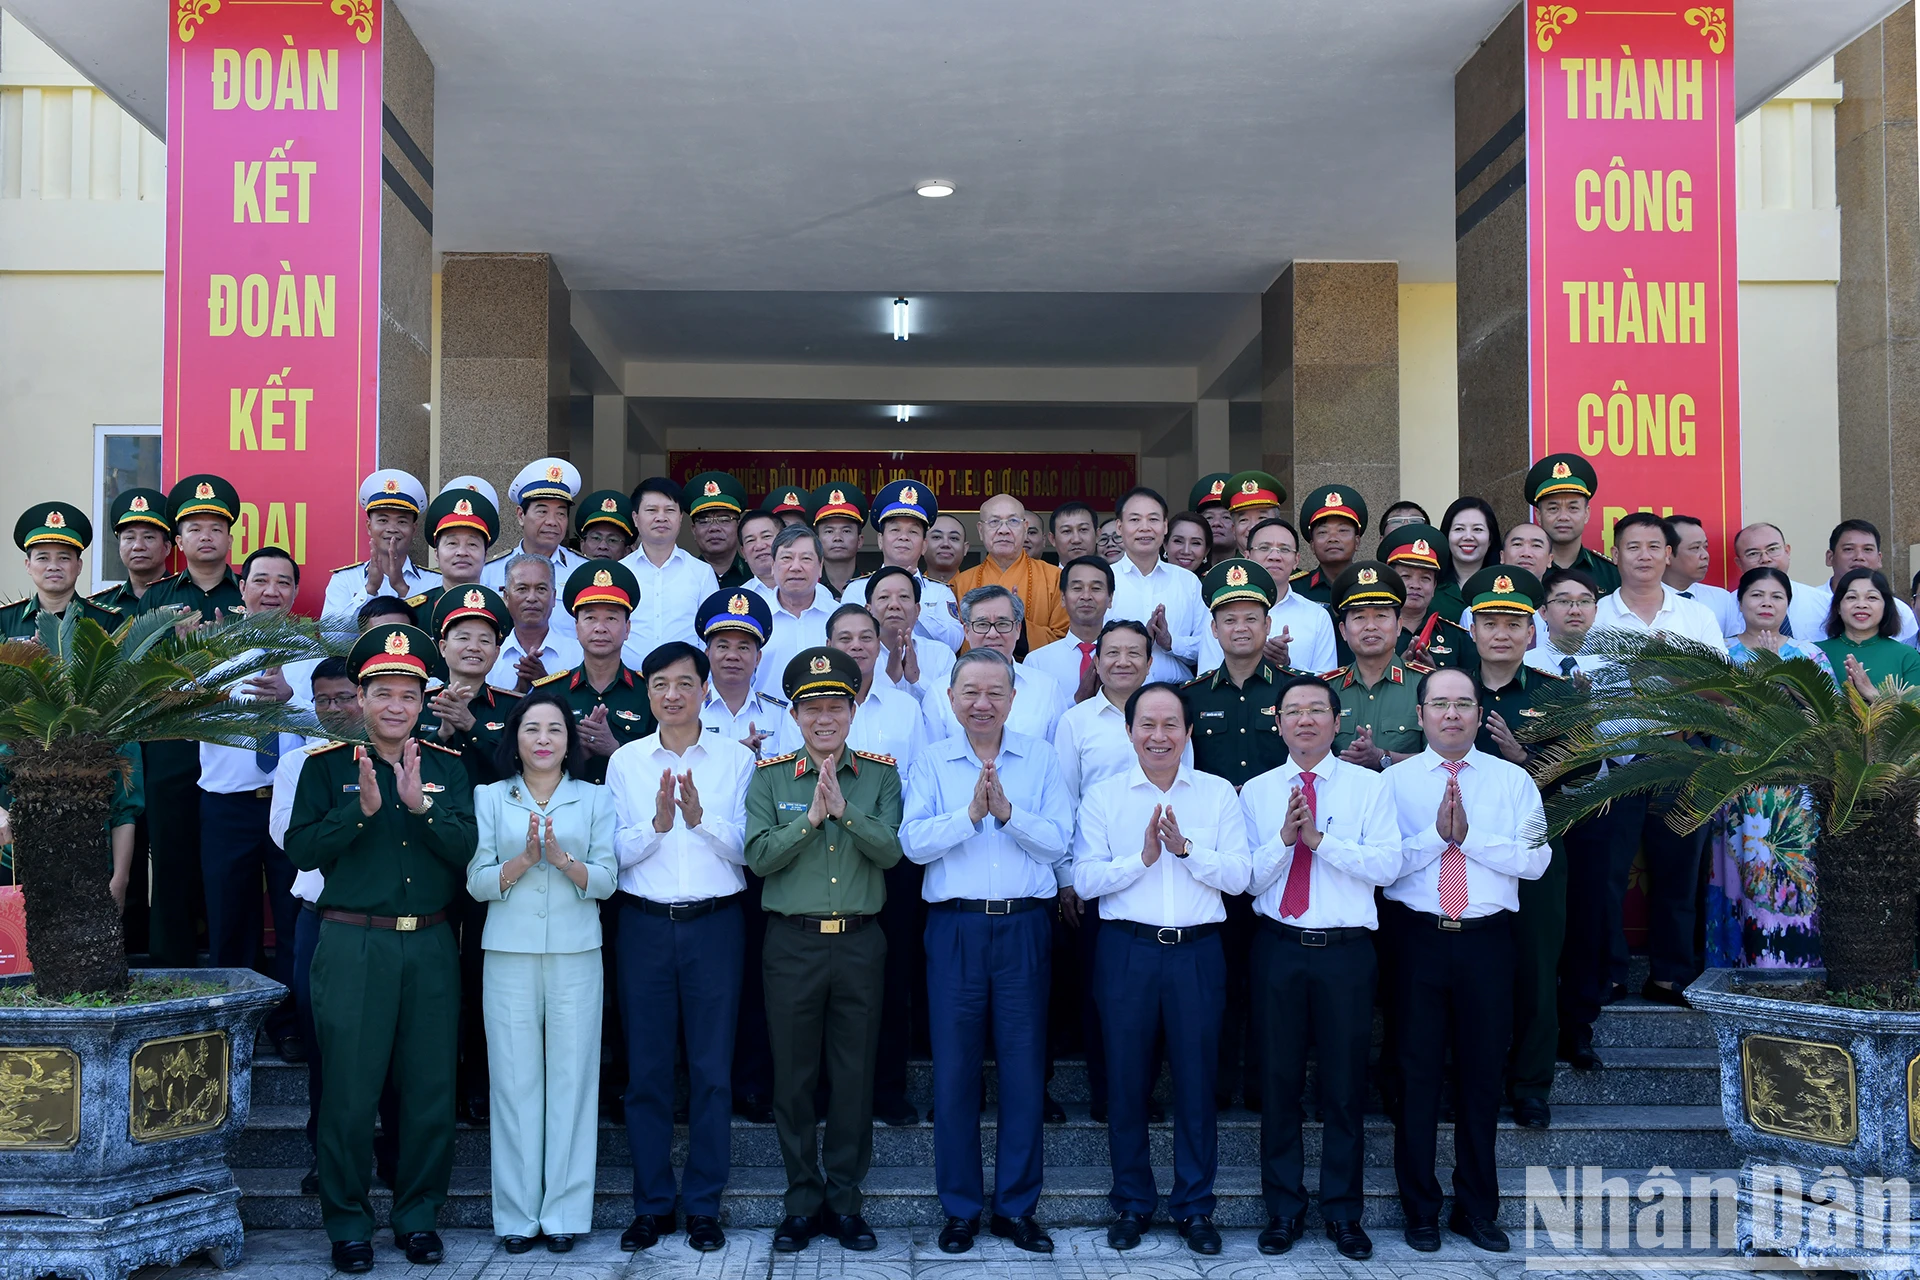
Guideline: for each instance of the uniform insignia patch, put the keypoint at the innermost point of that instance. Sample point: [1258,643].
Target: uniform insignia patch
[1561,471]
[737,605]
[474,600]
[397,643]
[1503,584]
[494,726]
[1368,577]
[1236,576]
[610,504]
[138,504]
[911,495]
[203,490]
[55,520]
[602,578]
[628,715]
[711,490]
[820,665]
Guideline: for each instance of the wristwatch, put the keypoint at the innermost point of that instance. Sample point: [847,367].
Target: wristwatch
[1386,759]
[1185,848]
[426,803]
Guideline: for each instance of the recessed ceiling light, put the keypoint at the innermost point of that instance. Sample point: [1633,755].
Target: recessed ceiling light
[902,413]
[900,307]
[934,188]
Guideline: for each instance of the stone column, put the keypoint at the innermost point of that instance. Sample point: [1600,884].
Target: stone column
[406,251]
[1490,253]
[503,368]
[1877,181]
[1330,378]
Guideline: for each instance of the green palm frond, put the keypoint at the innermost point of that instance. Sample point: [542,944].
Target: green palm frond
[1704,730]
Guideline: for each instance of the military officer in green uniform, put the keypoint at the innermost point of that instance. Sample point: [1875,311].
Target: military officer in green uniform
[202,510]
[1503,600]
[1561,487]
[53,534]
[1208,497]
[1252,496]
[1418,553]
[839,511]
[391,825]
[823,825]
[790,504]
[1334,516]
[603,527]
[462,523]
[140,527]
[715,503]
[1379,712]
[608,697]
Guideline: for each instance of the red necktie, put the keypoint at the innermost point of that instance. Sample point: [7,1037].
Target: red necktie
[1294,898]
[1453,864]
[1086,657]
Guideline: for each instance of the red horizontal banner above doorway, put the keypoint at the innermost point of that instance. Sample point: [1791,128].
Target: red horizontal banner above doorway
[960,481]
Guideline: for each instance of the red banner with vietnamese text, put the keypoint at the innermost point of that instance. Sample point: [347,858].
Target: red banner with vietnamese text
[273,267]
[959,481]
[1633,273]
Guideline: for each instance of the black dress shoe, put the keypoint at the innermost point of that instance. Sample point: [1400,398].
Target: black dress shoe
[1422,1237]
[1023,1231]
[1281,1233]
[1350,1240]
[1580,1054]
[704,1233]
[855,1234]
[1052,1112]
[793,1234]
[310,1181]
[422,1248]
[897,1114]
[516,1244]
[957,1236]
[1479,1232]
[644,1232]
[291,1048]
[753,1108]
[1664,995]
[562,1243]
[1532,1113]
[1200,1234]
[352,1256]
[1125,1230]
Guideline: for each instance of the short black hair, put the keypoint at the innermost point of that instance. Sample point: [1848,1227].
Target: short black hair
[1068,508]
[1676,519]
[1307,682]
[1090,562]
[833,619]
[756,513]
[382,607]
[1763,572]
[1275,522]
[1889,612]
[1408,504]
[1557,575]
[1123,624]
[1635,519]
[665,655]
[506,756]
[1161,686]
[1140,491]
[1852,526]
[657,484]
[1420,690]
[331,669]
[888,571]
[273,553]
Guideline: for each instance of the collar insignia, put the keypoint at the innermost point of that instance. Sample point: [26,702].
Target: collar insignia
[602,578]
[1561,471]
[1503,584]
[203,490]
[397,643]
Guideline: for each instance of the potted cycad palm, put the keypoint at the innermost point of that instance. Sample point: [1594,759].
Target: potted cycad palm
[1828,1078]
[118,1098]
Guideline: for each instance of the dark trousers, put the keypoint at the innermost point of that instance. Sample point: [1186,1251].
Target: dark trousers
[1073,997]
[1240,1035]
[824,991]
[752,1059]
[171,773]
[1673,888]
[1321,995]
[1539,931]
[988,971]
[903,1006]
[1455,992]
[1145,986]
[383,997]
[679,975]
[238,858]
[306,937]
[1593,921]
[470,919]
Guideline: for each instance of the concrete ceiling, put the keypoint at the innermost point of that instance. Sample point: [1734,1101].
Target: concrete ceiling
[1099,146]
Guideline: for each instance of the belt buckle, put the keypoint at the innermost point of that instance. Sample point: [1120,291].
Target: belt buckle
[832,926]
[406,924]
[674,910]
[1160,936]
[1313,938]
[1005,904]
[1449,924]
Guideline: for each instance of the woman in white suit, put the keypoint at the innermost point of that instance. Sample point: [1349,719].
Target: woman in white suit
[544,861]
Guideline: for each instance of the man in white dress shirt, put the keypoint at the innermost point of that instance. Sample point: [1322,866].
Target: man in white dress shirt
[993,617]
[1853,544]
[679,797]
[1149,589]
[533,650]
[1086,588]
[1324,836]
[801,602]
[1471,829]
[902,513]
[673,581]
[915,664]
[987,817]
[544,491]
[1692,560]
[392,501]
[756,531]
[1300,634]
[734,624]
[1158,846]
[1763,545]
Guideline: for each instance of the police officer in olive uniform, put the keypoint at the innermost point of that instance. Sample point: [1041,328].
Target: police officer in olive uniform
[722,500]
[1560,488]
[1379,712]
[822,841]
[1334,516]
[462,523]
[136,511]
[1418,553]
[609,698]
[603,527]
[53,534]
[392,827]
[1252,496]
[1504,599]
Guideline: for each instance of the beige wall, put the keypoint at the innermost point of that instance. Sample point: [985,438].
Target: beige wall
[1429,403]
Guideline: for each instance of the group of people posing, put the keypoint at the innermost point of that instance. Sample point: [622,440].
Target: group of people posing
[581,814]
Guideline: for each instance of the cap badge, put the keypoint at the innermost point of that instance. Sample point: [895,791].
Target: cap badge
[1217,488]
[1503,585]
[1237,576]
[711,490]
[793,499]
[553,473]
[1421,547]
[1368,577]
[203,490]
[392,486]
[1249,486]
[737,605]
[910,495]
[55,520]
[397,643]
[463,508]
[1561,471]
[820,665]
[137,504]
[1333,500]
[609,504]
[836,496]
[602,578]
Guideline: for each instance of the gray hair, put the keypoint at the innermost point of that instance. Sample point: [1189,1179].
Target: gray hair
[520,558]
[986,595]
[792,534]
[980,657]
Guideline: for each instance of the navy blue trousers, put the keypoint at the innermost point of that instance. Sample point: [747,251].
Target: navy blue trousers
[1143,987]
[238,857]
[988,970]
[678,974]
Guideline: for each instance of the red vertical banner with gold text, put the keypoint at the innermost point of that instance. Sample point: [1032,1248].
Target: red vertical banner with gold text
[1633,272]
[273,266]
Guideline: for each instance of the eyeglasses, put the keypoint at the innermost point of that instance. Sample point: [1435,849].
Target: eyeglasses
[1444,705]
[1004,522]
[993,626]
[1307,713]
[1571,602]
[321,702]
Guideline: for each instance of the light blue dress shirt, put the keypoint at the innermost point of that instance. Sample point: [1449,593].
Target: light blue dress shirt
[1025,858]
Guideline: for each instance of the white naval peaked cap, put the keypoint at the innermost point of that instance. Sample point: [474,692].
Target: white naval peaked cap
[392,489]
[479,484]
[545,478]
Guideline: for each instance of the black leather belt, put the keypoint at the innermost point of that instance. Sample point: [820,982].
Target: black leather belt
[991,906]
[399,924]
[1164,935]
[1466,924]
[1315,937]
[677,910]
[837,924]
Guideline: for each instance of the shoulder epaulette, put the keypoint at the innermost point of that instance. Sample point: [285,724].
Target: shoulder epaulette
[414,602]
[428,742]
[1298,574]
[779,759]
[776,701]
[1550,675]
[558,675]
[1420,667]
[115,610]
[877,757]
[508,693]
[502,556]
[1333,674]
[343,568]
[323,749]
[1203,677]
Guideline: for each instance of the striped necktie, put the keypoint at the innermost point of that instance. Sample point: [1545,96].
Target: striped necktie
[1453,863]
